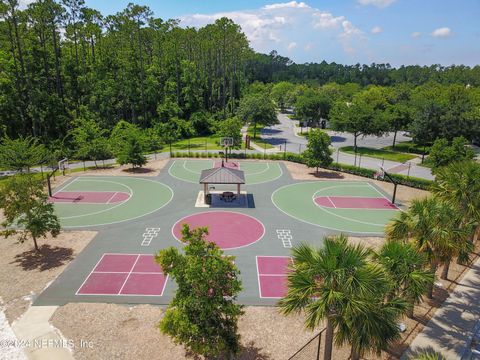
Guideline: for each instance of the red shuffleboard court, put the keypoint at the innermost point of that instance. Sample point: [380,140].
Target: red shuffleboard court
[272,275]
[125,275]
[352,202]
[229,230]
[227,164]
[90,197]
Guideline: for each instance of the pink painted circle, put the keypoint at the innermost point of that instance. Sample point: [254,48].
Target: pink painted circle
[228,230]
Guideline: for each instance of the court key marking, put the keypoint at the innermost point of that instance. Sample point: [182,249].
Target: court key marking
[285,236]
[149,235]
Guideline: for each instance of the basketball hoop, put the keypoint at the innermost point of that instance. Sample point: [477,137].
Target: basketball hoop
[379,175]
[226,142]
[63,165]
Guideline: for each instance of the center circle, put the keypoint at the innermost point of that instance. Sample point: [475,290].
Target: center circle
[227,229]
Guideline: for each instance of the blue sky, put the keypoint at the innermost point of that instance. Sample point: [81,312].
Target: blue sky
[345,31]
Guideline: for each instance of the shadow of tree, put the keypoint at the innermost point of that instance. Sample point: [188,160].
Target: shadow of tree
[47,258]
[138,170]
[327,175]
[248,352]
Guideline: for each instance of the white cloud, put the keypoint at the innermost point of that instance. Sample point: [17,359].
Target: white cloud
[376,30]
[416,34]
[325,20]
[280,22]
[292,46]
[442,32]
[291,4]
[377,3]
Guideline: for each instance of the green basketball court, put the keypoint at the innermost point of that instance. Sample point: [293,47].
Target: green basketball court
[350,206]
[255,172]
[103,200]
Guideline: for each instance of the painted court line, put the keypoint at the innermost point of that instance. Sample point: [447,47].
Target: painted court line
[145,279]
[285,236]
[343,217]
[352,183]
[245,230]
[65,186]
[116,192]
[149,235]
[271,286]
[90,273]
[120,204]
[129,273]
[328,197]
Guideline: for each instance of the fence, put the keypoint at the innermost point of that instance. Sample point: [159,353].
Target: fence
[312,350]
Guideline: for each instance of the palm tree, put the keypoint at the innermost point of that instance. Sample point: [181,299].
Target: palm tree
[428,225]
[459,184]
[406,267]
[340,285]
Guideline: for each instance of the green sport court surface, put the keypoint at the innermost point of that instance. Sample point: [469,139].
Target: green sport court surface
[255,172]
[118,265]
[349,206]
[103,200]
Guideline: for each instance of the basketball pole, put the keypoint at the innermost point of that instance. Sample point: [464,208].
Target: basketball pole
[395,184]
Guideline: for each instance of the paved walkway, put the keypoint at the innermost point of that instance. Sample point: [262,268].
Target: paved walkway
[44,341]
[9,345]
[450,330]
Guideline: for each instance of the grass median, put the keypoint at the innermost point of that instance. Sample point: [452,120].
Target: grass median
[379,153]
[258,140]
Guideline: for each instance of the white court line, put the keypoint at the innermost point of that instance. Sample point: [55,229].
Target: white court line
[328,197]
[259,172]
[113,272]
[115,193]
[315,224]
[89,274]
[130,190]
[389,200]
[258,274]
[129,219]
[65,186]
[344,217]
[220,211]
[129,273]
[126,272]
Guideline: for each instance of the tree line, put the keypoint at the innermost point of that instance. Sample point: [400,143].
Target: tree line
[275,68]
[431,111]
[61,59]
[63,62]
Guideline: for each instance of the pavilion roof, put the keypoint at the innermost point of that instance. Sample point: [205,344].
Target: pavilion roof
[222,175]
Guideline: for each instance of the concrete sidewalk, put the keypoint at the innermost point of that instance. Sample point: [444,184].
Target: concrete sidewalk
[450,330]
[44,341]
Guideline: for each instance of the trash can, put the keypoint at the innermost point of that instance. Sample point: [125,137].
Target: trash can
[208,199]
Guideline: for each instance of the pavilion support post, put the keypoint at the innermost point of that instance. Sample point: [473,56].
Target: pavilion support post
[205,192]
[238,189]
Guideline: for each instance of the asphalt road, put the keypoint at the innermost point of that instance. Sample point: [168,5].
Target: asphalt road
[286,131]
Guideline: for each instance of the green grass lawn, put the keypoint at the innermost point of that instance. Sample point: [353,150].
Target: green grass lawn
[198,144]
[258,140]
[305,132]
[407,147]
[379,154]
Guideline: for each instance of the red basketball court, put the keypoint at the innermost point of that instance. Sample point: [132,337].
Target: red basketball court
[229,230]
[352,202]
[90,197]
[229,164]
[272,275]
[125,274]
